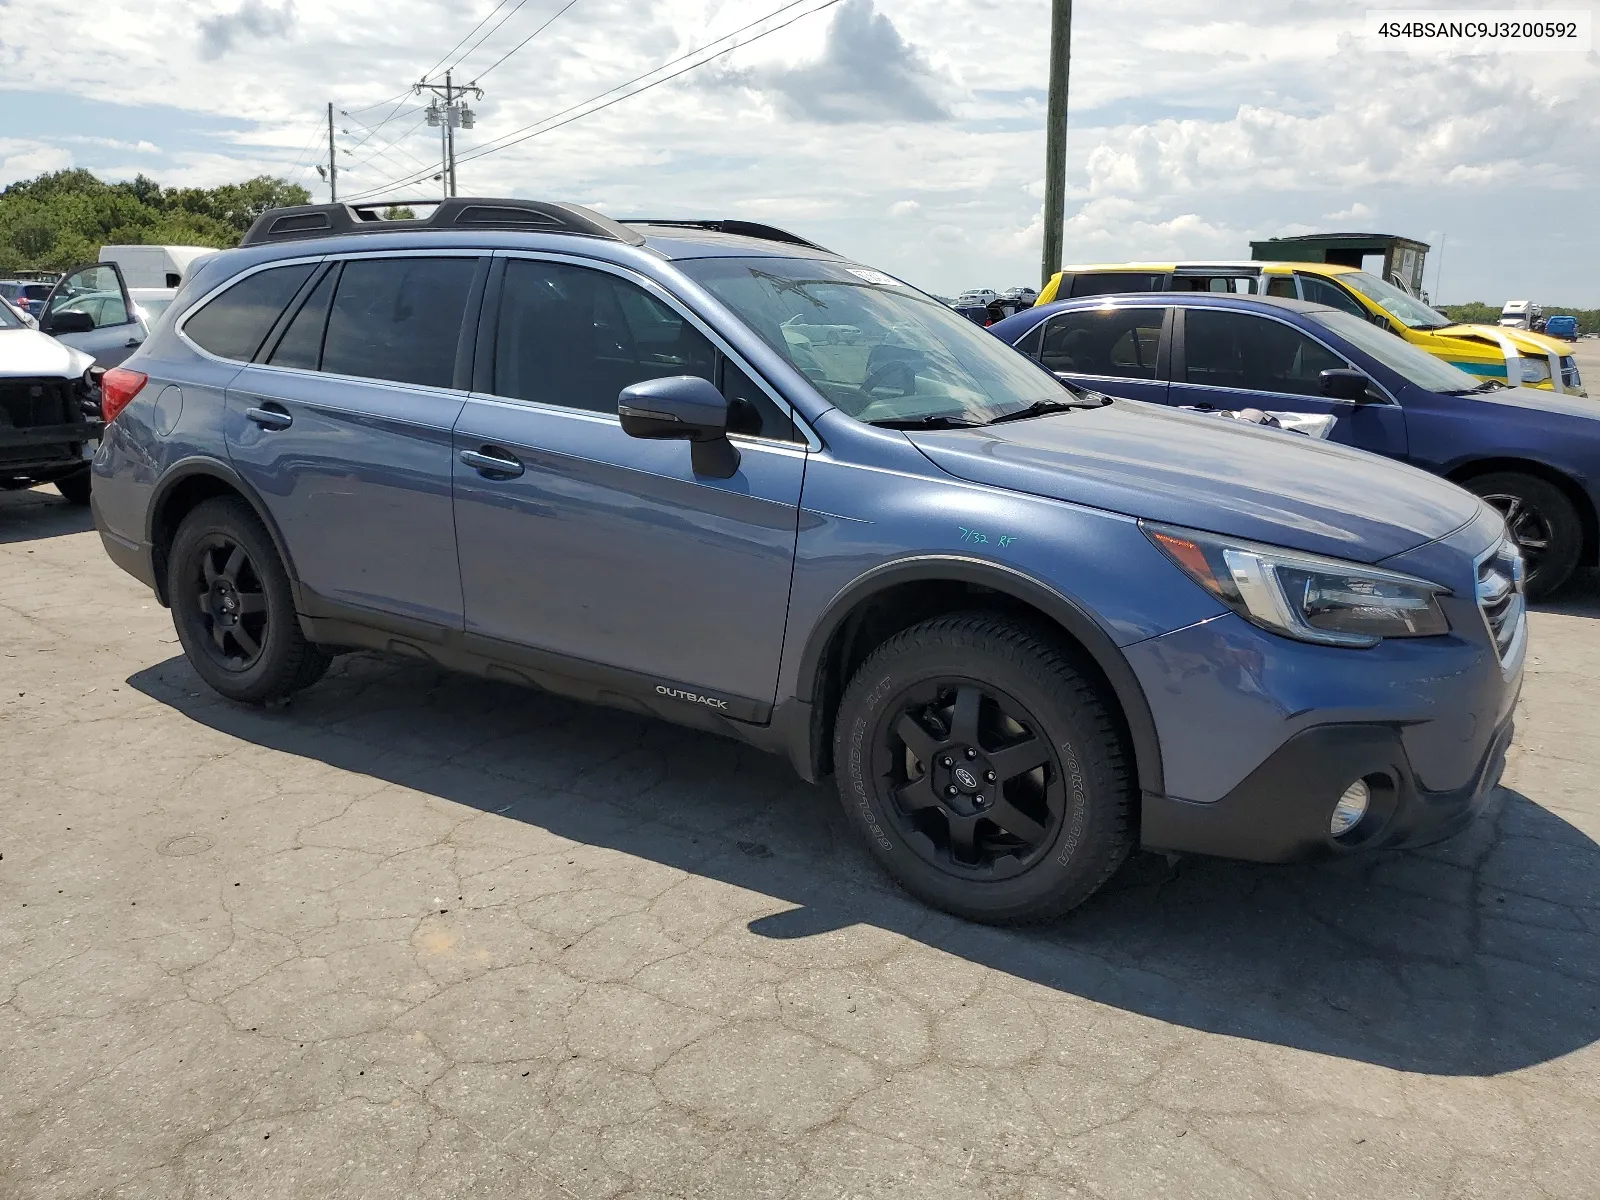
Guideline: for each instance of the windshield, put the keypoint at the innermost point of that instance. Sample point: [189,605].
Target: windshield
[1400,356]
[871,345]
[1407,309]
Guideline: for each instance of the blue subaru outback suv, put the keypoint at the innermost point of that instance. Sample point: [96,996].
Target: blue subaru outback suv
[710,471]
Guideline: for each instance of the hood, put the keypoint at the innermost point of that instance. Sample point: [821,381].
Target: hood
[1210,473]
[25,353]
[1539,400]
[1526,343]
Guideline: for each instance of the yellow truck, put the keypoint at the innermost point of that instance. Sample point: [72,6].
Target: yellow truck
[1512,356]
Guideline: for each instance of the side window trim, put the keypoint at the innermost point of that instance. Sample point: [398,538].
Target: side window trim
[489,321]
[467,343]
[227,283]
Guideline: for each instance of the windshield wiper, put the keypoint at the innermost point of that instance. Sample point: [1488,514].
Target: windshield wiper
[931,421]
[1488,385]
[1041,408]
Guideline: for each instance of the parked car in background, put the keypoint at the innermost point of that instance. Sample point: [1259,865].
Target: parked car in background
[1532,454]
[28,295]
[91,309]
[1563,327]
[1520,314]
[1022,297]
[150,303]
[1022,625]
[978,296]
[1517,356]
[49,410]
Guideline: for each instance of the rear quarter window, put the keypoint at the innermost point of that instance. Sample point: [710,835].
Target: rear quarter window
[235,323]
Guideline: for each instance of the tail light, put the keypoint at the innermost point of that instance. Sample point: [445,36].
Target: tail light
[117,387]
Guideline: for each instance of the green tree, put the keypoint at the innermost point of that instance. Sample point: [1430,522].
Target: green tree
[62,218]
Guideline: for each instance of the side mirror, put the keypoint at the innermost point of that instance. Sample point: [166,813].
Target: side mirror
[1343,383]
[682,408]
[66,322]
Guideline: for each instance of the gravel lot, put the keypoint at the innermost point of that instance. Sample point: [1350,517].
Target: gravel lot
[417,936]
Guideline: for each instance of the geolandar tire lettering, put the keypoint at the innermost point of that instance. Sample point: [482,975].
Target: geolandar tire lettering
[1030,681]
[692,697]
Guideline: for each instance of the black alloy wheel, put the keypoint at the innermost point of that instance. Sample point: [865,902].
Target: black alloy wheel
[977,791]
[1541,520]
[233,606]
[231,603]
[979,760]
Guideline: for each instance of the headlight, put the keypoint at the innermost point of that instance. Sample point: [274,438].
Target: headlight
[1534,370]
[1305,596]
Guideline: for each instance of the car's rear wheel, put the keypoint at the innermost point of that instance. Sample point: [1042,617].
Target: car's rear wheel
[982,768]
[75,487]
[1541,521]
[233,609]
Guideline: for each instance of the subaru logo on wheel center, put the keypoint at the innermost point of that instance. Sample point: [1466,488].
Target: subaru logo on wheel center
[966,779]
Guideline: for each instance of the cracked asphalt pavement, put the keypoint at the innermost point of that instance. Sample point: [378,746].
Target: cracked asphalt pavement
[417,935]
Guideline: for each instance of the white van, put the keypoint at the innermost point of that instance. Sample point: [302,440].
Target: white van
[154,266]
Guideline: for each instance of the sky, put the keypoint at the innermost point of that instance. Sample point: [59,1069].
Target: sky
[908,134]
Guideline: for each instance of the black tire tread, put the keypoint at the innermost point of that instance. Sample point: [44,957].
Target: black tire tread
[1566,524]
[1034,650]
[75,488]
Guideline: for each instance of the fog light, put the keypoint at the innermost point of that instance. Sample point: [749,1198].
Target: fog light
[1351,808]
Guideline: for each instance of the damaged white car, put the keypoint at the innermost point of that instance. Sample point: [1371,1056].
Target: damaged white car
[49,410]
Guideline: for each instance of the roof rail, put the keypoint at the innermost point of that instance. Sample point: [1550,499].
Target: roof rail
[306,221]
[751,229]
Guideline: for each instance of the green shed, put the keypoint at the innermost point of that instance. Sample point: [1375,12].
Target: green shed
[1402,257]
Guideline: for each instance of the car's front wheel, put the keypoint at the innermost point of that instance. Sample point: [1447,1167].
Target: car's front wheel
[982,768]
[1541,521]
[233,609]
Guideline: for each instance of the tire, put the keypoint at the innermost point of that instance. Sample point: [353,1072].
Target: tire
[75,487]
[254,650]
[1541,520]
[1074,811]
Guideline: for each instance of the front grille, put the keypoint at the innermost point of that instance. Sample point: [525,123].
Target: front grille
[31,403]
[1500,577]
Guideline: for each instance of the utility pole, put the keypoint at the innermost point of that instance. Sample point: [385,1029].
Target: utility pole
[1055,139]
[333,160]
[448,115]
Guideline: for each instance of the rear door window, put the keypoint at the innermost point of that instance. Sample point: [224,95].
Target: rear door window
[1118,342]
[398,319]
[301,343]
[235,323]
[1105,283]
[1251,353]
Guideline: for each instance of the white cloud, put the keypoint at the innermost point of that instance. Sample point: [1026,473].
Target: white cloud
[908,133]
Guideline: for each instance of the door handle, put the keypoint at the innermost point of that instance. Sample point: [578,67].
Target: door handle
[132,344]
[269,418]
[499,465]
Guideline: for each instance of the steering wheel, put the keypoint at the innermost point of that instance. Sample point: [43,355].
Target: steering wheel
[879,376]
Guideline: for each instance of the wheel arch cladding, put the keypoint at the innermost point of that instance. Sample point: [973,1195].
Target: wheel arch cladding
[1554,476]
[184,489]
[895,596]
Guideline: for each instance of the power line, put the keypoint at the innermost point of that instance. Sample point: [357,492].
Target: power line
[446,56]
[467,53]
[372,130]
[380,103]
[511,139]
[384,150]
[523,42]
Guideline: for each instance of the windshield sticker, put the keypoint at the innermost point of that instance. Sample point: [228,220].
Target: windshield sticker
[872,276]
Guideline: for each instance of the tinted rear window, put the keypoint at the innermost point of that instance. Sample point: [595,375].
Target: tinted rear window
[399,319]
[235,323]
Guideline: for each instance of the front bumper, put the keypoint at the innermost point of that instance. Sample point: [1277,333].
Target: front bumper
[1280,812]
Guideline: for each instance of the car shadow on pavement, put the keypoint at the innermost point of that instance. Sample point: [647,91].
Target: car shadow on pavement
[1475,957]
[30,513]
